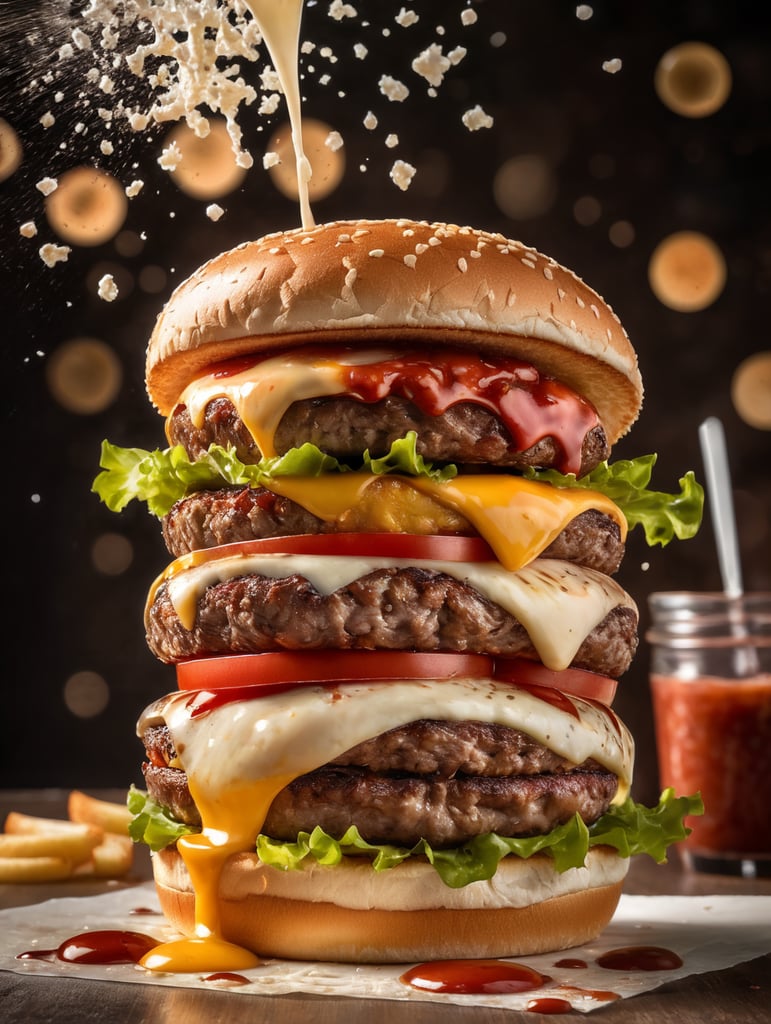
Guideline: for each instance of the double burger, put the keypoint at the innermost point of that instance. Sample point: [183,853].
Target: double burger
[391,605]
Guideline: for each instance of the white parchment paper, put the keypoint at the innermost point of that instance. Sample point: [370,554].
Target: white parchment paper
[709,933]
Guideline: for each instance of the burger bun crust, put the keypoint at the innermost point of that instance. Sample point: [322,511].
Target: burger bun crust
[371,283]
[513,915]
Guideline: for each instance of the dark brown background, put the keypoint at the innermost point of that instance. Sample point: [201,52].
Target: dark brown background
[605,136]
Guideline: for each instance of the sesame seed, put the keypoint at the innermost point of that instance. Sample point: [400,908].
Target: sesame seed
[580,302]
[377,253]
[548,274]
[410,259]
[462,265]
[561,294]
[307,240]
[433,240]
[420,248]
[527,263]
[595,311]
[343,238]
[475,254]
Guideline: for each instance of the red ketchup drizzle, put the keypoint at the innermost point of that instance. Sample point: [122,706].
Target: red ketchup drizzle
[549,1004]
[640,958]
[37,954]
[550,695]
[473,977]
[106,947]
[143,911]
[204,701]
[227,977]
[530,406]
[232,367]
[569,962]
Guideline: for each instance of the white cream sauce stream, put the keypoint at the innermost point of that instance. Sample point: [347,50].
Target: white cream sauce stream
[279,22]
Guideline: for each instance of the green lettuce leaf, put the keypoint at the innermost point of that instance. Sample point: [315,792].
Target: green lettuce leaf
[153,824]
[161,477]
[662,516]
[404,458]
[630,828]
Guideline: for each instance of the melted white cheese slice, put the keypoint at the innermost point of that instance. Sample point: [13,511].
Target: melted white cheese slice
[557,602]
[290,733]
[263,392]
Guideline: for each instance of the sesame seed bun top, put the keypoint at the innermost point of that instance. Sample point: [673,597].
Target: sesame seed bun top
[420,284]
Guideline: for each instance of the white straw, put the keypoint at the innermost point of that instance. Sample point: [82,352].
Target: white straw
[718,476]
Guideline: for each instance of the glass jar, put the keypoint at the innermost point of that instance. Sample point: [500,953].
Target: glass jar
[710,677]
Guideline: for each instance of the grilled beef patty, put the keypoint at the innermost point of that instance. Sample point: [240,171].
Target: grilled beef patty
[206,519]
[388,609]
[444,782]
[466,434]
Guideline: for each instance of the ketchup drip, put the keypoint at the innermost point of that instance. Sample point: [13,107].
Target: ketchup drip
[226,978]
[549,1005]
[530,406]
[203,701]
[109,946]
[473,976]
[640,958]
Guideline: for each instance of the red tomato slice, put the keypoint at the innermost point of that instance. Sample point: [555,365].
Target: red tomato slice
[281,669]
[452,548]
[325,666]
[575,681]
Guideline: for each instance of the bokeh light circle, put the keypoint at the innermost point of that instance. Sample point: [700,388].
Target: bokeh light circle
[112,553]
[10,150]
[751,390]
[86,694]
[328,165]
[693,79]
[524,186]
[687,271]
[208,168]
[84,375]
[88,207]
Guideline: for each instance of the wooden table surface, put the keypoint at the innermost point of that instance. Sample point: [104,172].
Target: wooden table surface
[740,995]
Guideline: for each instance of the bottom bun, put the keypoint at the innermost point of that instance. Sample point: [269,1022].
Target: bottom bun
[526,908]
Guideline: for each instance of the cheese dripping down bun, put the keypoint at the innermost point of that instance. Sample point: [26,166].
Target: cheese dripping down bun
[397,281]
[348,911]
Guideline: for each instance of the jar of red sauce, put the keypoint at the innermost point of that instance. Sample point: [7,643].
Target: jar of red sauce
[711,688]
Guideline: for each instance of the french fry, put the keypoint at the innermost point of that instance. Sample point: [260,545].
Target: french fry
[112,858]
[93,843]
[110,817]
[28,825]
[34,869]
[76,848]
